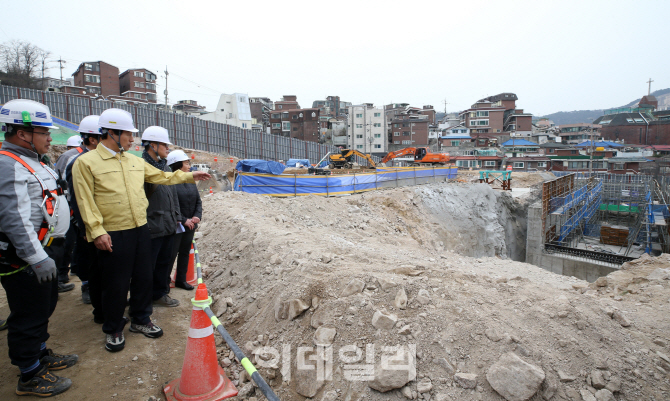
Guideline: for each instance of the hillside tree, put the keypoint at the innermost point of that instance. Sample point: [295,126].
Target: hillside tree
[22,64]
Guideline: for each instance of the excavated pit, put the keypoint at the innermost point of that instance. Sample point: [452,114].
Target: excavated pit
[436,267]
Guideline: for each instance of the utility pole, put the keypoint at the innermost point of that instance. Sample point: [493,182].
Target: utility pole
[166,90]
[591,158]
[60,64]
[649,91]
[445,106]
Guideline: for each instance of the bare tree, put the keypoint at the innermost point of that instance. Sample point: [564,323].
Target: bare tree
[22,64]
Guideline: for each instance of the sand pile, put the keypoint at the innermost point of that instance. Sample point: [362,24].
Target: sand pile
[358,274]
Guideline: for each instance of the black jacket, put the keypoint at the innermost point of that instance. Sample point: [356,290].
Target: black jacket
[163,211]
[190,203]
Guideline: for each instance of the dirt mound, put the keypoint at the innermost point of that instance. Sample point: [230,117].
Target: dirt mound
[380,269]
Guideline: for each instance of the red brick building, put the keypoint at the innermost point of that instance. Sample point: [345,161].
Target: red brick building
[98,77]
[138,84]
[409,128]
[497,115]
[288,102]
[640,126]
[430,112]
[296,123]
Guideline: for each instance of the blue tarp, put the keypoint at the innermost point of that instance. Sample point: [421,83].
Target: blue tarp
[519,142]
[294,162]
[601,144]
[295,185]
[260,166]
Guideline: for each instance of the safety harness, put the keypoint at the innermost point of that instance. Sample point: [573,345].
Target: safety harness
[50,204]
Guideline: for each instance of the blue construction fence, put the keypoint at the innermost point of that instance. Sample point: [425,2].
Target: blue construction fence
[336,185]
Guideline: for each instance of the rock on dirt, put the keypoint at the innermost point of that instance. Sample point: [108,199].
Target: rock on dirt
[513,378]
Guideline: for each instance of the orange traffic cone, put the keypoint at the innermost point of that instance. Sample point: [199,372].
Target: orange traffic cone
[202,378]
[210,191]
[191,275]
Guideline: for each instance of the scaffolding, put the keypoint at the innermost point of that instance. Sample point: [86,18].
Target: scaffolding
[585,212]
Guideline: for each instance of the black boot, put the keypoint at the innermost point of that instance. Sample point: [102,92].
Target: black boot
[184,285]
[85,296]
[43,384]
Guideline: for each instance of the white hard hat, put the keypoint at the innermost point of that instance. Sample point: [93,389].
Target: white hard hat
[89,125]
[74,140]
[176,156]
[156,134]
[26,112]
[117,119]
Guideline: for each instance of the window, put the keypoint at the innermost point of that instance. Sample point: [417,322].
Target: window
[573,152]
[74,91]
[377,146]
[604,122]
[378,125]
[396,134]
[378,114]
[638,120]
[151,86]
[93,89]
[92,66]
[359,115]
[541,164]
[359,146]
[295,129]
[139,84]
[151,96]
[405,133]
[600,165]
[406,142]
[313,114]
[396,142]
[244,125]
[295,116]
[359,136]
[395,125]
[550,150]
[276,125]
[279,107]
[378,135]
[359,125]
[139,74]
[618,166]
[518,165]
[482,114]
[138,96]
[300,115]
[490,163]
[92,78]
[151,77]
[286,126]
[455,143]
[578,165]
[276,115]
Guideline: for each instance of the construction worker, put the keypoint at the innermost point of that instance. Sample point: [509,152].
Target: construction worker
[74,149]
[109,188]
[190,206]
[86,253]
[162,215]
[34,217]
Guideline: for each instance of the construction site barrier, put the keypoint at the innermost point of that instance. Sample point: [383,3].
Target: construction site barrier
[345,184]
[239,355]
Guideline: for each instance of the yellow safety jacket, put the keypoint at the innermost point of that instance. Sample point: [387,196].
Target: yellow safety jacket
[110,189]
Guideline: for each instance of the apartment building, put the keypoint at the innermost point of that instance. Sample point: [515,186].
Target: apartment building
[332,107]
[260,111]
[408,128]
[366,129]
[189,107]
[498,115]
[296,123]
[578,133]
[97,78]
[232,109]
[287,102]
[138,84]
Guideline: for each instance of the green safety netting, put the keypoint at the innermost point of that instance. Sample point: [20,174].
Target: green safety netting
[619,208]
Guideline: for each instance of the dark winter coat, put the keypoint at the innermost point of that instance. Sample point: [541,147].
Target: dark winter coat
[163,211]
[190,204]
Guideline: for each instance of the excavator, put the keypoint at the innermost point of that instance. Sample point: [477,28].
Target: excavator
[344,159]
[421,156]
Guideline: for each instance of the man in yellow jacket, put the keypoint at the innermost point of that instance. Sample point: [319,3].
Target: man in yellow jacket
[109,189]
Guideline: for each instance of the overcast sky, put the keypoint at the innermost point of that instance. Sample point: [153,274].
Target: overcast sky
[555,55]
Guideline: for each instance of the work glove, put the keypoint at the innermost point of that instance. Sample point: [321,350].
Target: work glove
[44,270]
